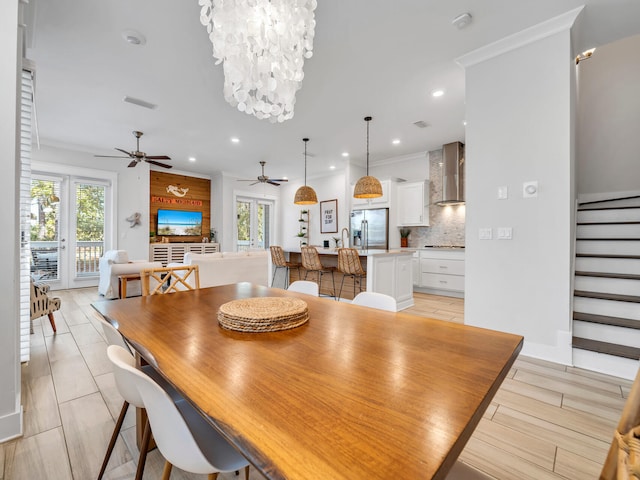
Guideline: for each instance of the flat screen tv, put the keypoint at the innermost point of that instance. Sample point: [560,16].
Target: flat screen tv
[179,222]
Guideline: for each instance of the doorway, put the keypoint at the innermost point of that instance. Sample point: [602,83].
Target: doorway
[68,229]
[254,222]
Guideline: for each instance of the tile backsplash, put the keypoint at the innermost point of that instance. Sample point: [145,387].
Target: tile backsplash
[446,224]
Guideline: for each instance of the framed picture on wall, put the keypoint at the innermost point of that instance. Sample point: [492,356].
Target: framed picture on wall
[329,216]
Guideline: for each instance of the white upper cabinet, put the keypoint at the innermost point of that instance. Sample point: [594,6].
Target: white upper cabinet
[378,202]
[412,207]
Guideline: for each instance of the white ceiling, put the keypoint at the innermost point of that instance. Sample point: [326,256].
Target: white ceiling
[371,57]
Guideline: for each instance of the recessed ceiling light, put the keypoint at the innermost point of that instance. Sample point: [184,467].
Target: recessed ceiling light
[133,37]
[395,141]
[437,93]
[192,159]
[332,167]
[345,154]
[235,139]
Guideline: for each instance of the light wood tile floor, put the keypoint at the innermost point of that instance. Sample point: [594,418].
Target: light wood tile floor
[547,421]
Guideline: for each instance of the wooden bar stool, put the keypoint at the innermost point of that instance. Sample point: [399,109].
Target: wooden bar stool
[349,265]
[278,261]
[311,263]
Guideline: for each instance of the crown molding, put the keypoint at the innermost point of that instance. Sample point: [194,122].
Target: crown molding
[529,35]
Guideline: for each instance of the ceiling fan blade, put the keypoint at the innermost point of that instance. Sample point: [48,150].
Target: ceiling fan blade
[245,180]
[254,183]
[128,154]
[278,179]
[157,157]
[271,182]
[133,163]
[110,156]
[158,163]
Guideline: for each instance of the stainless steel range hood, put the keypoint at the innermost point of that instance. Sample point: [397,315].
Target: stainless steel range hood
[452,174]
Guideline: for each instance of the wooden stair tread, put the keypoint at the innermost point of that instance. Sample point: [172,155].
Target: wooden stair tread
[607,255]
[625,276]
[625,207]
[609,223]
[609,239]
[608,348]
[607,296]
[607,320]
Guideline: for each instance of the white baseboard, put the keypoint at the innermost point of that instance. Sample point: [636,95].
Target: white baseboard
[558,353]
[603,363]
[11,426]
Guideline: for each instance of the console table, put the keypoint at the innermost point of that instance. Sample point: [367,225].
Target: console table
[174,252]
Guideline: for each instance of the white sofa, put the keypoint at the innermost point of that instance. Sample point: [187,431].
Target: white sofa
[230,267]
[114,263]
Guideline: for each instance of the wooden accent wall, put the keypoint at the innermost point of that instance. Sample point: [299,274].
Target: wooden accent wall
[197,198]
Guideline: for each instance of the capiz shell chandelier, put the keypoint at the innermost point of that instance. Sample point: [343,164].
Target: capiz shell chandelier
[262,45]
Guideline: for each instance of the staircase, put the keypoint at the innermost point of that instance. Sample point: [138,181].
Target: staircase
[606,298]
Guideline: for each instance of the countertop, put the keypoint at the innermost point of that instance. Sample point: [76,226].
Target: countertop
[362,253]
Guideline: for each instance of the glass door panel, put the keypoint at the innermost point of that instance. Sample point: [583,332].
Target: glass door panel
[88,241]
[45,229]
[253,223]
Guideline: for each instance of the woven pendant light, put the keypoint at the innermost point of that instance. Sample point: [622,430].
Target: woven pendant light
[367,186]
[305,195]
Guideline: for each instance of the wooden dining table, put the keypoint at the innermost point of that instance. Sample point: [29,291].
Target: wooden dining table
[355,393]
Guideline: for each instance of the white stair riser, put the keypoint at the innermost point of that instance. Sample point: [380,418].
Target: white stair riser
[608,285]
[626,215]
[610,247]
[607,307]
[608,265]
[606,333]
[608,231]
[609,364]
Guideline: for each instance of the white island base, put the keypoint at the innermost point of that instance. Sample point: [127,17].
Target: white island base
[388,272]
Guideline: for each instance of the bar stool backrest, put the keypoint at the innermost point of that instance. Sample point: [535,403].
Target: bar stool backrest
[349,261]
[277,256]
[310,258]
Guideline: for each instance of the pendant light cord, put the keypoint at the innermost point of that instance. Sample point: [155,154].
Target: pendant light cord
[305,140]
[367,119]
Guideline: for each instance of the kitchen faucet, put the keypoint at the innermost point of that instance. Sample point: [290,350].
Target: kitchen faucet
[345,245]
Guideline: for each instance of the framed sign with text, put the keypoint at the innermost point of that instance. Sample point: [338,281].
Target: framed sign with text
[329,216]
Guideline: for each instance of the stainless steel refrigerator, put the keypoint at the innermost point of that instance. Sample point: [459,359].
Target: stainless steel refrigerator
[370,228]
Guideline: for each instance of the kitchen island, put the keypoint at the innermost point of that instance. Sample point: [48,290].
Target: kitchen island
[388,272]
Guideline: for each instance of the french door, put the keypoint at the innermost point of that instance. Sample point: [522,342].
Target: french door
[68,229]
[254,222]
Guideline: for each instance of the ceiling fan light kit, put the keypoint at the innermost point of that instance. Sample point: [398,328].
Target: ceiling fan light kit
[139,156]
[262,45]
[305,195]
[367,186]
[265,178]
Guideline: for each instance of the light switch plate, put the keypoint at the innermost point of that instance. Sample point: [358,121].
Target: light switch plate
[503,193]
[485,234]
[505,233]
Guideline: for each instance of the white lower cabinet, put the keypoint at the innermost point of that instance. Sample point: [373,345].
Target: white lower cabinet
[441,272]
[174,252]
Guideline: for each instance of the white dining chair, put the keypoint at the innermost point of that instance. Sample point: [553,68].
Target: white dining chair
[305,286]
[131,397]
[376,300]
[183,436]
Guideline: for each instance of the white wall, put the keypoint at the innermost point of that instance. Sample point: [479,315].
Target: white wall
[608,133]
[10,408]
[519,128]
[327,188]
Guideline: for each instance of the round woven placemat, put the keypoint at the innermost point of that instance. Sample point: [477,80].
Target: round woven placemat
[263,314]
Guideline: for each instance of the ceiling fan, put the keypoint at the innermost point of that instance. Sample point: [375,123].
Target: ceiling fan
[138,156]
[265,178]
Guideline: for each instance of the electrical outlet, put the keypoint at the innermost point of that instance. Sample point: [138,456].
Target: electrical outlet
[503,193]
[505,233]
[529,189]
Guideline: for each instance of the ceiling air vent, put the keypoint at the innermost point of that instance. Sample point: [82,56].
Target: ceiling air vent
[140,103]
[421,124]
